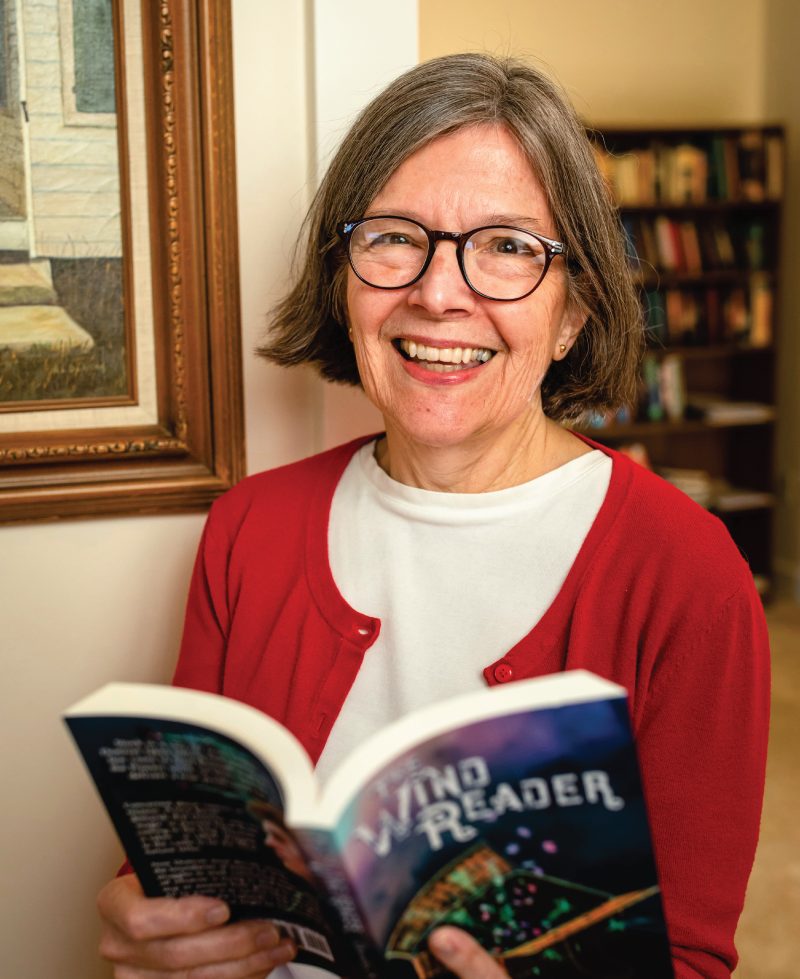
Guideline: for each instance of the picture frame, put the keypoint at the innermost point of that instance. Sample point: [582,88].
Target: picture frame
[187,446]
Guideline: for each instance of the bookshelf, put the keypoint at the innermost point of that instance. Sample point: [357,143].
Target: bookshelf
[701,209]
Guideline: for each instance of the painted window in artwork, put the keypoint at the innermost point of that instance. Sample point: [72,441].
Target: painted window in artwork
[93,41]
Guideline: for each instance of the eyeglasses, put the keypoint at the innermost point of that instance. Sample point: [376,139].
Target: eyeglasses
[497,261]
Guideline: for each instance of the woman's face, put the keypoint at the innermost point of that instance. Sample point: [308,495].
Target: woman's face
[470,178]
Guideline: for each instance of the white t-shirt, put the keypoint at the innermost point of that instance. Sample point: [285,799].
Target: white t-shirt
[456,579]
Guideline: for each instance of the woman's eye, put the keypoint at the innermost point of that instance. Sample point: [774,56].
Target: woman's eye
[389,239]
[511,246]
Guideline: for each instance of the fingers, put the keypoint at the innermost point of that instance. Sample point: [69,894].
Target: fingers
[122,904]
[156,938]
[256,966]
[463,955]
[235,950]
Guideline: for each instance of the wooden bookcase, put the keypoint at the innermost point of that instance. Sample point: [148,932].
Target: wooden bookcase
[701,208]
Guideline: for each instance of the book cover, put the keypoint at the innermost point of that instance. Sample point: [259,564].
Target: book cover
[774,152]
[761,311]
[752,166]
[516,813]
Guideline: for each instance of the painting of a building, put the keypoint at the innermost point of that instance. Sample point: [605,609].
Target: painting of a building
[62,333]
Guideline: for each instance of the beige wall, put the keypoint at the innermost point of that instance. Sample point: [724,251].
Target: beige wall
[683,62]
[622,61]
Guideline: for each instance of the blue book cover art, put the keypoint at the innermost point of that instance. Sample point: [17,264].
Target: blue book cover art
[529,830]
[197,813]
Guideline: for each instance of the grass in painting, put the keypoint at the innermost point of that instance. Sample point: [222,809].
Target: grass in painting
[90,290]
[47,373]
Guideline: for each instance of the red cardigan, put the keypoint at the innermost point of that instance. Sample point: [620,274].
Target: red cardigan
[658,600]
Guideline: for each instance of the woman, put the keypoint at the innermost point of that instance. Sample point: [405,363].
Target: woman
[463,263]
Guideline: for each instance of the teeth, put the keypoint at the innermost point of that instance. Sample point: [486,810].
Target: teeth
[449,356]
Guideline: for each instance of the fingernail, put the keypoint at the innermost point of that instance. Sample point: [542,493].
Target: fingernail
[284,952]
[443,944]
[218,914]
[267,937]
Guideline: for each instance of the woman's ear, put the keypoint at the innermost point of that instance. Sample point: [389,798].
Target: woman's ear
[571,325]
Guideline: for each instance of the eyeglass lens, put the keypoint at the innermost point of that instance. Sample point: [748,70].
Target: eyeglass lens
[500,263]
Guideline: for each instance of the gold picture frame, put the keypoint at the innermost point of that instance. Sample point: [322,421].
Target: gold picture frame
[192,447]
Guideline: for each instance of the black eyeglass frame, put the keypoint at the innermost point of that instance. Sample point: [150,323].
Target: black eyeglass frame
[345,229]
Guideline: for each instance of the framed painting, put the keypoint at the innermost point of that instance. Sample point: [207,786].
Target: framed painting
[120,352]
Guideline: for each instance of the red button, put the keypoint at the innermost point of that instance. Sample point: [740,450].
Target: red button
[503,672]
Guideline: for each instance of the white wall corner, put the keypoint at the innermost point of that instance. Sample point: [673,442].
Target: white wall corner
[357,48]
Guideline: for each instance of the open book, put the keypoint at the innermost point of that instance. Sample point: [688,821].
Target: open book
[515,812]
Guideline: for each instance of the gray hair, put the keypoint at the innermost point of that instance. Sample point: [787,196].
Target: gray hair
[438,97]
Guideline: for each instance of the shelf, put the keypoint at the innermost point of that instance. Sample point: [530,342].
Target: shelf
[739,500]
[711,351]
[699,207]
[651,429]
[713,277]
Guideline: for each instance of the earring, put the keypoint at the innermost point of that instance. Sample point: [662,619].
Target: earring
[350,333]
[562,347]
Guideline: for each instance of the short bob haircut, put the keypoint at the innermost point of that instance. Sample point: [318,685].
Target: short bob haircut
[430,100]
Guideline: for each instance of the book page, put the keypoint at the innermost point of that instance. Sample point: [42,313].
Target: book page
[198,813]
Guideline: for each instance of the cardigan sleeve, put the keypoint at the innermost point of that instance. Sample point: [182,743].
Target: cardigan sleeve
[702,745]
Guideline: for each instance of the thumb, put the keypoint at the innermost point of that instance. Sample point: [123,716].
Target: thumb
[463,955]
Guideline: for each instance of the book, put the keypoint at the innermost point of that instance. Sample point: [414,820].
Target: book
[775,164]
[752,166]
[515,812]
[651,380]
[730,499]
[673,387]
[688,174]
[697,484]
[691,247]
[668,243]
[716,410]
[761,310]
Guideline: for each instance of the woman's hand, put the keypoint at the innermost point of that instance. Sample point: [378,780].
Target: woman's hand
[183,938]
[463,955]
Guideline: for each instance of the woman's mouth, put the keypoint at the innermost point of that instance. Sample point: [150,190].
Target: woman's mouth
[443,360]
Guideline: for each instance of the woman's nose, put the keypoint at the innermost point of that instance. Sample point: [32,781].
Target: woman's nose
[442,288]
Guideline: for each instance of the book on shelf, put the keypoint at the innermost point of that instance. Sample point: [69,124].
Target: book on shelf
[752,164]
[736,315]
[690,242]
[653,407]
[715,493]
[761,311]
[774,154]
[729,499]
[716,410]
[691,248]
[687,175]
[695,483]
[515,812]
[724,165]
[672,386]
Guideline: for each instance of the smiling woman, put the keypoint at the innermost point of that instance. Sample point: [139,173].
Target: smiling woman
[463,263]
